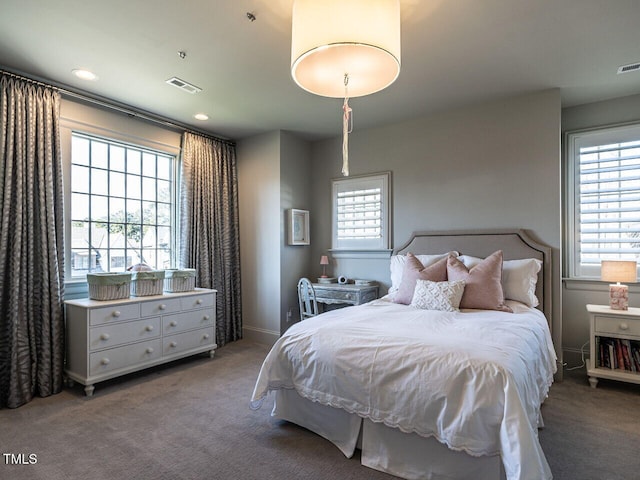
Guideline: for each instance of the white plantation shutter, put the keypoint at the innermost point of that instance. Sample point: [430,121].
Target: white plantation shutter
[606,197]
[361,212]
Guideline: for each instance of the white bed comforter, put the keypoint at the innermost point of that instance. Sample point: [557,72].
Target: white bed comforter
[474,380]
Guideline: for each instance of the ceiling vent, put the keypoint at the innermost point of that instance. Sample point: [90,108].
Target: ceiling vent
[632,67]
[184,86]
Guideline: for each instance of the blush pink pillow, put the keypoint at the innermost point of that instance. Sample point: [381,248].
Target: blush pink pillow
[483,283]
[414,270]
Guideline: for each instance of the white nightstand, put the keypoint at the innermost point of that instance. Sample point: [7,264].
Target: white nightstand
[615,344]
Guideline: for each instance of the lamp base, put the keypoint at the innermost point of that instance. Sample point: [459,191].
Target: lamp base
[619,297]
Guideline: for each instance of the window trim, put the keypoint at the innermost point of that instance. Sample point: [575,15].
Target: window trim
[573,141]
[383,246]
[67,127]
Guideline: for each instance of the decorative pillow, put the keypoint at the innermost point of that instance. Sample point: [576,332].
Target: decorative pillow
[483,283]
[398,262]
[519,278]
[444,296]
[414,270]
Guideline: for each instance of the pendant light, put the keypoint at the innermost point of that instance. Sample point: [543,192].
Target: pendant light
[345,49]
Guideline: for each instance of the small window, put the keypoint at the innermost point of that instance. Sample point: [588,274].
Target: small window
[122,206]
[361,212]
[603,198]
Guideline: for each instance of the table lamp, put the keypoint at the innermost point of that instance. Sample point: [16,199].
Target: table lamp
[618,271]
[324,261]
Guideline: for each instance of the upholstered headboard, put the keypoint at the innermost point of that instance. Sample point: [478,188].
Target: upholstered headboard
[515,244]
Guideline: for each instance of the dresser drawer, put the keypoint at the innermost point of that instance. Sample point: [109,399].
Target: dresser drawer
[188,340]
[114,313]
[125,356]
[180,322]
[160,307]
[106,336]
[198,301]
[337,295]
[617,325]
[368,296]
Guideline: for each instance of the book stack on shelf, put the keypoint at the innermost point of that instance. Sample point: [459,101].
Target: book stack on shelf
[619,354]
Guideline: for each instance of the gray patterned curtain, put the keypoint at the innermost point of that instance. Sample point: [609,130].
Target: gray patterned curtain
[31,242]
[210,240]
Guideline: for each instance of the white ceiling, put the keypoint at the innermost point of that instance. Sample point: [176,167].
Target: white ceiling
[454,53]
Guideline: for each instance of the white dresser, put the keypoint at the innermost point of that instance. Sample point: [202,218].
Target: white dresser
[106,339]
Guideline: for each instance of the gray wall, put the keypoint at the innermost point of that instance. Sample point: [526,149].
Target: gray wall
[273,176]
[577,293]
[260,235]
[495,165]
[294,193]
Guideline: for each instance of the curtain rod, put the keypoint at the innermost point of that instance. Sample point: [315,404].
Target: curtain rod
[113,105]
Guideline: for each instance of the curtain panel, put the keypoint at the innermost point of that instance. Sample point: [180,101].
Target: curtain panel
[210,240]
[31,242]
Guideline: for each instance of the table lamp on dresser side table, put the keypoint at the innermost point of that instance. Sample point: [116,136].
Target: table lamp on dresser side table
[618,271]
[324,261]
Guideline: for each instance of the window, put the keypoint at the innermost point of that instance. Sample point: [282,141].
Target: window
[122,206]
[361,212]
[604,198]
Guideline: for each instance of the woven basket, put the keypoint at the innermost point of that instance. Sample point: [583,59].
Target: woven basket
[108,286]
[180,280]
[147,283]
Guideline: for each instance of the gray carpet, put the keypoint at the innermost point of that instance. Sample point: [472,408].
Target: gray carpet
[190,420]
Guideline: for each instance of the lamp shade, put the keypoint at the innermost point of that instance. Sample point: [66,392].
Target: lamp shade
[324,260]
[334,38]
[618,271]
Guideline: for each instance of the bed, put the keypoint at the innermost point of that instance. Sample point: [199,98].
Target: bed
[427,393]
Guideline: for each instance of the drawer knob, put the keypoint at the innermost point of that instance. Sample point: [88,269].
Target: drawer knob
[105,361]
[162,306]
[149,328]
[206,317]
[199,301]
[173,344]
[149,350]
[624,326]
[104,336]
[116,313]
[173,323]
[205,336]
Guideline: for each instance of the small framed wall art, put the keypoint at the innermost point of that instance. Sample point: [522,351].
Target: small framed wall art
[298,225]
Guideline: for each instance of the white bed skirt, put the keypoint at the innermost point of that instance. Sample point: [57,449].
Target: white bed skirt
[405,455]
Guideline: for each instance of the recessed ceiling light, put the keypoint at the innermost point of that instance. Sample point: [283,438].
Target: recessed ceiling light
[84,74]
[201,116]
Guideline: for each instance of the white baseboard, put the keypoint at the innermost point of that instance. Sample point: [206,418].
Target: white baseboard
[260,335]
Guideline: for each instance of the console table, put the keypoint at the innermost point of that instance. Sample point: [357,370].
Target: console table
[350,294]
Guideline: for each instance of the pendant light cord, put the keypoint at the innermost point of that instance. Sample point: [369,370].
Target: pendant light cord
[347,127]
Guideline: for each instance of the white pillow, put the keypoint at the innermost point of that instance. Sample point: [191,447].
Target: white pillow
[443,296]
[519,278]
[397,266]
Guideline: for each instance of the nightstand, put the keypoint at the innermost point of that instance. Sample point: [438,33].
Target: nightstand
[615,344]
[350,294]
